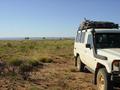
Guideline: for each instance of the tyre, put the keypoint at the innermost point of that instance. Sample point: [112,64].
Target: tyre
[80,65]
[103,80]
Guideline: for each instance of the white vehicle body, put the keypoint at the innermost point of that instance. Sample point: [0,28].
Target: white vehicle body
[93,57]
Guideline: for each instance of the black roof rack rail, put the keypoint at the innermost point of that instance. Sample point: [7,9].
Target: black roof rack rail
[87,24]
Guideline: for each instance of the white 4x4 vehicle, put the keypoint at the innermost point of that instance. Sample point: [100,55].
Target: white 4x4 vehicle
[97,48]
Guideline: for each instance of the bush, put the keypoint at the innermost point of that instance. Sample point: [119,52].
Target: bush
[25,67]
[34,88]
[2,66]
[46,60]
[25,70]
[23,49]
[15,62]
[34,62]
[73,70]
[31,47]
[58,47]
[9,44]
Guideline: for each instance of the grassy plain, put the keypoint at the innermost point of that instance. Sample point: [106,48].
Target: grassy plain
[40,65]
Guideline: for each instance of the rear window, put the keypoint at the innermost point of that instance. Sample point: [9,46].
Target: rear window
[80,37]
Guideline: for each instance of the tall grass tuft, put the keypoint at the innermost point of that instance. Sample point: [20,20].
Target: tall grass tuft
[46,60]
[15,62]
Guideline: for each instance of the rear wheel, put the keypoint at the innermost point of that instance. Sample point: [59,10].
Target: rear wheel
[103,80]
[80,65]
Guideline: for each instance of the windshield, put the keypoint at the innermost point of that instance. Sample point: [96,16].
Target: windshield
[107,40]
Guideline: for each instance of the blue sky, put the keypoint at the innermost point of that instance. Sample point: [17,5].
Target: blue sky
[52,18]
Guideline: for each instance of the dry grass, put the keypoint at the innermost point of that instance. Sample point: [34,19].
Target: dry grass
[41,65]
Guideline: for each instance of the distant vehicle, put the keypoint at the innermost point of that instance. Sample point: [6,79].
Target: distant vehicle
[27,38]
[97,48]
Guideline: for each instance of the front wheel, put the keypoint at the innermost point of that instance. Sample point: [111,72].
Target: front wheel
[80,65]
[103,80]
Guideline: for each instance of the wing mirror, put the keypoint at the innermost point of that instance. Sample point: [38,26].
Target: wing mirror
[88,46]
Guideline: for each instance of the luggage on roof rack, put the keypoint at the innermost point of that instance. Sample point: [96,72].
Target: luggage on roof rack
[87,24]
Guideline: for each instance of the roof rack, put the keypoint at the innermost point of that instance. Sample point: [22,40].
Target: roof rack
[87,24]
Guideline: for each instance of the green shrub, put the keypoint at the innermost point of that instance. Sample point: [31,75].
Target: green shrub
[23,48]
[33,62]
[25,67]
[34,88]
[73,70]
[25,70]
[58,47]
[15,62]
[31,47]
[9,44]
[46,60]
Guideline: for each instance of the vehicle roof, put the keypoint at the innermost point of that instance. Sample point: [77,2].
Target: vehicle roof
[105,30]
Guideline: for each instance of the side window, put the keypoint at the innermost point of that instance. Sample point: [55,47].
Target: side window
[90,41]
[82,37]
[78,36]
[76,39]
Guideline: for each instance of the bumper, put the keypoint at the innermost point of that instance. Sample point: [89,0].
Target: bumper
[115,78]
